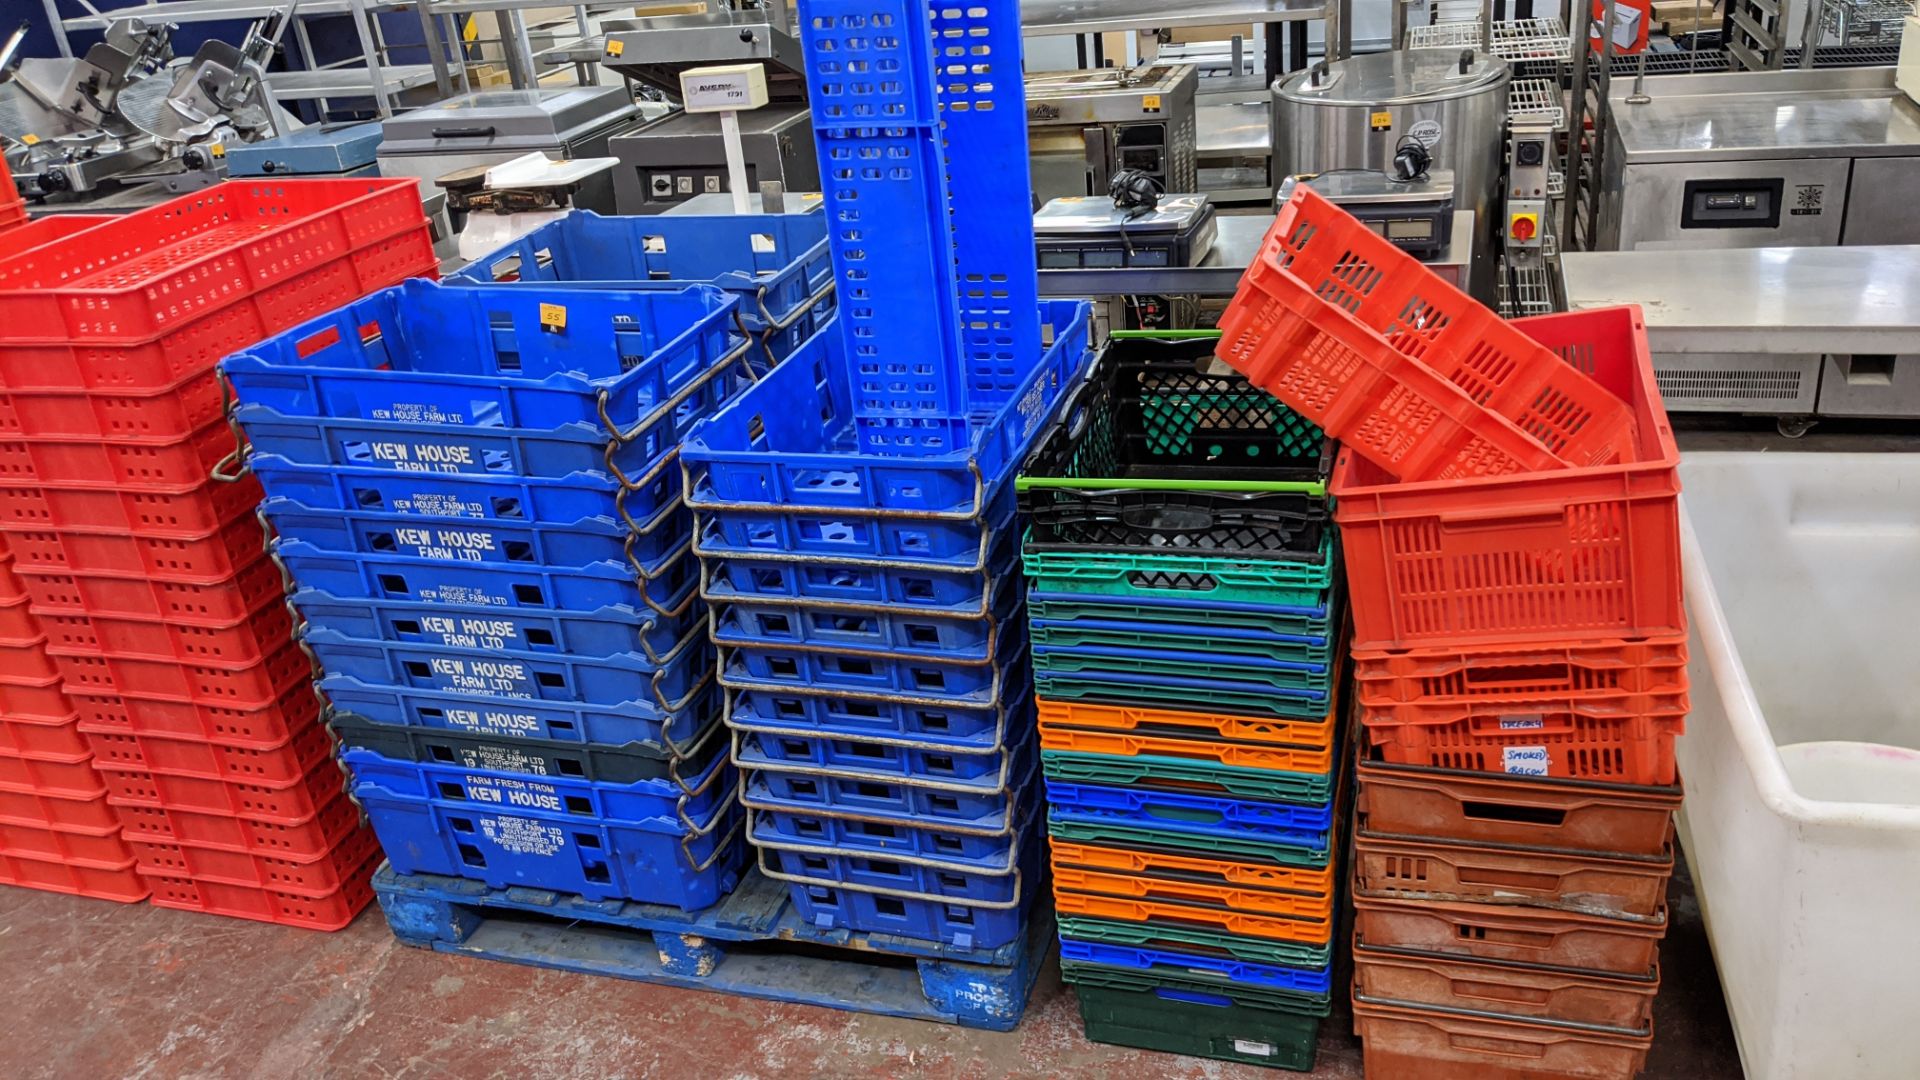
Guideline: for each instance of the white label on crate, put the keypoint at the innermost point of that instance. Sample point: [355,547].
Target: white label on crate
[411,413]
[521,794]
[1522,722]
[502,677]
[1248,1046]
[422,457]
[523,837]
[468,632]
[492,721]
[447,545]
[502,759]
[462,594]
[1032,404]
[439,506]
[1524,760]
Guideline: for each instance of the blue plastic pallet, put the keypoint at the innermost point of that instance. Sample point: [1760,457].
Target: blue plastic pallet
[526,676]
[788,444]
[427,354]
[530,500]
[665,590]
[895,634]
[617,724]
[964,730]
[608,631]
[777,264]
[1313,982]
[1309,828]
[464,540]
[751,943]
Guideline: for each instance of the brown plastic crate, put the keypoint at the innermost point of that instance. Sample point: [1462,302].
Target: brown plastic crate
[1522,991]
[1504,932]
[1430,1044]
[1482,808]
[1589,882]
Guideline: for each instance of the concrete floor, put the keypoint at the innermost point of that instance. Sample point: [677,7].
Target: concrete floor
[100,990]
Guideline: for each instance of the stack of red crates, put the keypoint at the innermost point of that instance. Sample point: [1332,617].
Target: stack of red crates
[56,830]
[1508,502]
[164,618]
[13,209]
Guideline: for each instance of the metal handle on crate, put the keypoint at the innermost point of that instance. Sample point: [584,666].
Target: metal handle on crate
[911,858]
[889,698]
[676,706]
[671,457]
[889,513]
[231,468]
[919,783]
[999,736]
[905,894]
[694,830]
[720,847]
[665,408]
[813,301]
[641,574]
[841,813]
[740,324]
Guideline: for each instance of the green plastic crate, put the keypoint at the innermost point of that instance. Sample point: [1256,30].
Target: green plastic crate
[1149,770]
[1049,685]
[1191,639]
[1075,663]
[1181,620]
[1161,576]
[1147,1020]
[1107,977]
[1151,839]
[1292,954]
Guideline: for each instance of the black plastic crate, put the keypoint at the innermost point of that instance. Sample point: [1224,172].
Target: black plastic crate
[627,764]
[1159,451]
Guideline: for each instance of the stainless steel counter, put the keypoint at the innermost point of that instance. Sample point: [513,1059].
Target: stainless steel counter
[1098,16]
[1236,130]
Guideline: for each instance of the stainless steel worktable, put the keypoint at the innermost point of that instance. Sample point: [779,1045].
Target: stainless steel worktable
[1219,273]
[1760,300]
[1693,118]
[1097,16]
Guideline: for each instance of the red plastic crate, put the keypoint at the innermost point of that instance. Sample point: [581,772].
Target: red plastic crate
[120,463]
[68,775]
[1568,555]
[285,802]
[1574,670]
[25,660]
[41,738]
[246,684]
[306,837]
[181,511]
[256,637]
[168,412]
[34,698]
[120,883]
[1631,749]
[223,597]
[312,875]
[293,710]
[1400,366]
[45,230]
[330,912]
[151,271]
[16,622]
[100,848]
[27,806]
[282,764]
[225,551]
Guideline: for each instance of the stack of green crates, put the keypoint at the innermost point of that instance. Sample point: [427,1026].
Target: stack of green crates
[1185,628]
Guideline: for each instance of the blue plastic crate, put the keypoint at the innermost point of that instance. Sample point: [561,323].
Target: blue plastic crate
[834,535]
[756,747]
[574,588]
[870,587]
[614,725]
[788,444]
[923,800]
[1305,827]
[981,847]
[523,755]
[777,264]
[478,498]
[469,541]
[523,676]
[859,893]
[609,631]
[1313,982]
[996,684]
[654,860]
[442,356]
[679,803]
[859,673]
[875,631]
[964,730]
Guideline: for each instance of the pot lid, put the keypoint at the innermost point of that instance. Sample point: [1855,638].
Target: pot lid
[1395,78]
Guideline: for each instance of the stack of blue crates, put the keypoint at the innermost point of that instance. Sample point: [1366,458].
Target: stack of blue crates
[478,507]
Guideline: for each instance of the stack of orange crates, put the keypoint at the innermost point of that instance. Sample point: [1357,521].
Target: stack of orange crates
[56,830]
[1507,497]
[164,619]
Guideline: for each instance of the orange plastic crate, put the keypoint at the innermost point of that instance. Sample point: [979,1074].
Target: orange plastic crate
[1313,909]
[96,847]
[1479,808]
[1433,1044]
[228,549]
[1505,932]
[1570,670]
[23,805]
[1521,991]
[69,775]
[1192,868]
[1593,743]
[183,511]
[16,622]
[242,684]
[1620,886]
[169,411]
[1125,909]
[305,875]
[25,661]
[1401,367]
[261,634]
[1135,719]
[280,764]
[120,463]
[1568,555]
[280,801]
[1237,755]
[45,230]
[331,911]
[305,837]
[258,726]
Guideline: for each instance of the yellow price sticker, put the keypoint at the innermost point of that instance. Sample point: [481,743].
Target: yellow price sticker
[1150,102]
[1380,121]
[616,47]
[218,150]
[553,317]
[29,140]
